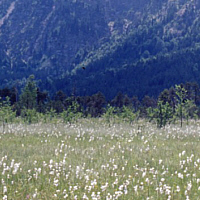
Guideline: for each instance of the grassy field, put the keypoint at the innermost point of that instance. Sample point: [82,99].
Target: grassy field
[90,160]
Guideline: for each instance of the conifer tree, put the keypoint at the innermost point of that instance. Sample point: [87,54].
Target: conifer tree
[28,98]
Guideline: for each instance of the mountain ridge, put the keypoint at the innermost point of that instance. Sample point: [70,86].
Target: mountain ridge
[55,40]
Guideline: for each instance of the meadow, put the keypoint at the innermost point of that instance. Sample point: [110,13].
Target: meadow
[93,160]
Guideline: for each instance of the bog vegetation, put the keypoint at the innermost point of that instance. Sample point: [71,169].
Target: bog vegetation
[87,148]
[174,105]
[91,160]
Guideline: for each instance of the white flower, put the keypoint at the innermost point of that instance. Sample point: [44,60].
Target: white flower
[34,195]
[66,195]
[5,197]
[180,175]
[4,189]
[178,188]
[103,187]
[189,186]
[85,196]
[183,153]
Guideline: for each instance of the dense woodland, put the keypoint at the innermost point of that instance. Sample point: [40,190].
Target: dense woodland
[137,47]
[179,103]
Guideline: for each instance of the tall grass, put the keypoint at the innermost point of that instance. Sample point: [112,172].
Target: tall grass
[92,160]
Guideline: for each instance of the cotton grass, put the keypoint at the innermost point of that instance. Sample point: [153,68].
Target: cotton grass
[91,160]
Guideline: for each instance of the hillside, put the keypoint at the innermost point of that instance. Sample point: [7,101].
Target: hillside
[137,47]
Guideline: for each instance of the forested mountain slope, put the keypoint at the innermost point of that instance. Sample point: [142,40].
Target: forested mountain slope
[137,47]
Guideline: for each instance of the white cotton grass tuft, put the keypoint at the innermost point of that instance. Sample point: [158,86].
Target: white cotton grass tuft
[92,160]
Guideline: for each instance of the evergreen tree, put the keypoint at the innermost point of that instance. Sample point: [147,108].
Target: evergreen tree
[28,98]
[135,103]
[95,105]
[118,101]
[42,100]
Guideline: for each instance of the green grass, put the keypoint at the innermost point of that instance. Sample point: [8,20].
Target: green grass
[91,160]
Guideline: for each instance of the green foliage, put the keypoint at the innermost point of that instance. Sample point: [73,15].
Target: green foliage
[163,113]
[128,115]
[150,113]
[71,114]
[185,108]
[30,116]
[28,98]
[190,110]
[50,116]
[110,115]
[55,162]
[6,112]
[95,104]
[181,98]
[142,51]
[179,103]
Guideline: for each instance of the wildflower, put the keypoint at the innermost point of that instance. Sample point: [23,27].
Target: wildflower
[34,195]
[143,174]
[178,188]
[135,188]
[183,153]
[85,197]
[4,189]
[125,190]
[16,167]
[180,175]
[5,197]
[104,187]
[121,187]
[189,186]
[162,179]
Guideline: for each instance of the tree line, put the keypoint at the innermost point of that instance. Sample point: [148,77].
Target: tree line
[179,103]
